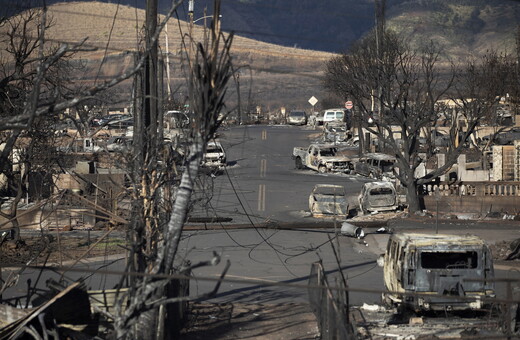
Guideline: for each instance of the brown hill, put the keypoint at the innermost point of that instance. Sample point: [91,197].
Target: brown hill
[270,75]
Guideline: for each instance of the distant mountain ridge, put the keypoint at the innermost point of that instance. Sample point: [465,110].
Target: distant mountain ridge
[273,75]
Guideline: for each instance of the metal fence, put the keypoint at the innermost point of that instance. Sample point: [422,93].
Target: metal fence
[503,188]
[329,306]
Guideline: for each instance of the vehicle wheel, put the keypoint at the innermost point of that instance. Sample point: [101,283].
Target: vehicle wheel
[322,169]
[298,163]
[371,175]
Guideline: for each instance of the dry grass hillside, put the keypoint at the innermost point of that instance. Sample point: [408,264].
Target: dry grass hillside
[270,75]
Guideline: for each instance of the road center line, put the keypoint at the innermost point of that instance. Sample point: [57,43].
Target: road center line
[263,167]
[264,134]
[261,197]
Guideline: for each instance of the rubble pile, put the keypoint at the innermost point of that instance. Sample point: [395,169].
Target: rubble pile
[21,252]
[50,249]
[506,250]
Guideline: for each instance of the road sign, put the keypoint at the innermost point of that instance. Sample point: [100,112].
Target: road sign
[313,100]
[349,105]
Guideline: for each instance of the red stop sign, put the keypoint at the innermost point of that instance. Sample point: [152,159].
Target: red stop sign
[349,105]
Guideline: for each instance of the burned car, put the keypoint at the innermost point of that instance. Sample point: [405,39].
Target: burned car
[215,157]
[336,132]
[378,196]
[375,165]
[328,200]
[449,272]
[322,158]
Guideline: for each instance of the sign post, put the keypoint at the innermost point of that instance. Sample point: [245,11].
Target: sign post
[313,101]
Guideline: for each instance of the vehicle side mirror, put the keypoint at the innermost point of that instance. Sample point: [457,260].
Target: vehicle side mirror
[381,260]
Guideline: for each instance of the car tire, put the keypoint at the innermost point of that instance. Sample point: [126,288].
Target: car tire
[322,169]
[298,163]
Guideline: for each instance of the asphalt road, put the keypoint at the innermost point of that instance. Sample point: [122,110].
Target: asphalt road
[261,183]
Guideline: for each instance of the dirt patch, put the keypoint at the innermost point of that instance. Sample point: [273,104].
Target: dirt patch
[51,249]
[250,321]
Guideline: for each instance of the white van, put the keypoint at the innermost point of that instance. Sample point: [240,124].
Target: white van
[333,115]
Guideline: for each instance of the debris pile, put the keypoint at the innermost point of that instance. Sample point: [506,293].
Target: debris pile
[506,250]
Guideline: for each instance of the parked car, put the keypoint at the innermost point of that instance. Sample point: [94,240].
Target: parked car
[378,196]
[375,165]
[328,199]
[215,157]
[437,267]
[297,118]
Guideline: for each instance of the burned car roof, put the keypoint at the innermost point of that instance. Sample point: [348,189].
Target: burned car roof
[424,240]
[379,184]
[379,156]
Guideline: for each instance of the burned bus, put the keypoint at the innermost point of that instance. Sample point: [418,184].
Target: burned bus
[437,272]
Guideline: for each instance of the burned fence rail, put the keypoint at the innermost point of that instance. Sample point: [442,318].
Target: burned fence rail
[329,306]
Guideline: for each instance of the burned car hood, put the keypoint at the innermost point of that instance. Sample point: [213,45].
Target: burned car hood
[335,159]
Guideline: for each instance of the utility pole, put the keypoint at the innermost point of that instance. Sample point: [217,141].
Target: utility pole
[191,6]
[380,38]
[168,87]
[151,81]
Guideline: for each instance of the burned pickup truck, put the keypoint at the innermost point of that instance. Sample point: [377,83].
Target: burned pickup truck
[436,272]
[322,158]
[328,200]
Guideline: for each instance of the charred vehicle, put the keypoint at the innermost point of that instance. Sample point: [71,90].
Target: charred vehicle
[375,165]
[378,196]
[448,272]
[328,199]
[336,133]
[322,158]
[215,156]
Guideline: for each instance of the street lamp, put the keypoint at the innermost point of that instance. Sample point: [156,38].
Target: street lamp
[207,16]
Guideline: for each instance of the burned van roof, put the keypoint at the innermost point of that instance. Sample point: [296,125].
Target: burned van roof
[424,240]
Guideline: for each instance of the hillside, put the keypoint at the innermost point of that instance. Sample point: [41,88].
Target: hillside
[461,27]
[273,75]
[270,75]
